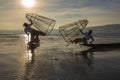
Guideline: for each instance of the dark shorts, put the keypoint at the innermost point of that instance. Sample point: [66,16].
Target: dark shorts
[35,32]
[77,40]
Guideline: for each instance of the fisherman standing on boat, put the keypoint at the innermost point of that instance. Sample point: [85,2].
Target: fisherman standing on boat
[34,33]
[86,36]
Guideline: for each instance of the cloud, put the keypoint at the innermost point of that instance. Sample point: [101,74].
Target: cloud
[98,12]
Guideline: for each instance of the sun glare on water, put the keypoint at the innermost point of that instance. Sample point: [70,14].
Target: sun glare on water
[28,3]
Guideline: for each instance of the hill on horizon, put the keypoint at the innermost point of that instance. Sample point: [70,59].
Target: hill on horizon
[100,28]
[105,29]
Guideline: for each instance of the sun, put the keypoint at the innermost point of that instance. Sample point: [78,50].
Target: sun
[28,3]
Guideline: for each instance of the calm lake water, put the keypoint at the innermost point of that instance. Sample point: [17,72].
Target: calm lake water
[56,60]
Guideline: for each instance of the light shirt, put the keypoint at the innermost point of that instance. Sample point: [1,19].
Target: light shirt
[28,28]
[87,36]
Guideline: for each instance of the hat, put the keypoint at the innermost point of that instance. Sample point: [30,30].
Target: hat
[24,24]
[90,30]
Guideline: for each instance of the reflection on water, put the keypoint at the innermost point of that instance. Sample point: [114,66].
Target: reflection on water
[87,57]
[27,38]
[71,67]
[62,65]
[30,55]
[30,65]
[55,61]
[59,63]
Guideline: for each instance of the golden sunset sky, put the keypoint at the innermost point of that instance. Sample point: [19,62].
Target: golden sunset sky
[97,12]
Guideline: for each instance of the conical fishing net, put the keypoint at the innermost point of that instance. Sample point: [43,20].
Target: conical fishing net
[41,23]
[71,31]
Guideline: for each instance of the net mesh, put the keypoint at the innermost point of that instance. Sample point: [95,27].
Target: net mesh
[71,31]
[41,23]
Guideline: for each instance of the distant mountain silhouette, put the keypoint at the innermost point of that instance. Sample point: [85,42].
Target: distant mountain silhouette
[11,32]
[111,27]
[105,30]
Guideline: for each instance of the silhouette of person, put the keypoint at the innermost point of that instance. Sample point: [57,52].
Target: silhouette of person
[34,33]
[86,36]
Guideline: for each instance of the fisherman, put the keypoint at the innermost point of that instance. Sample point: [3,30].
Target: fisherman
[86,36]
[34,33]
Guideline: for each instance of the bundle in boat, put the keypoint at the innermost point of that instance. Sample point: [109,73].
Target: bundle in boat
[41,23]
[72,30]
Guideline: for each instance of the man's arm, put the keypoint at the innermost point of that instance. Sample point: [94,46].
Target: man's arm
[30,22]
[81,31]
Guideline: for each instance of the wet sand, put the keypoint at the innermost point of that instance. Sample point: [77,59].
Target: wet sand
[56,60]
